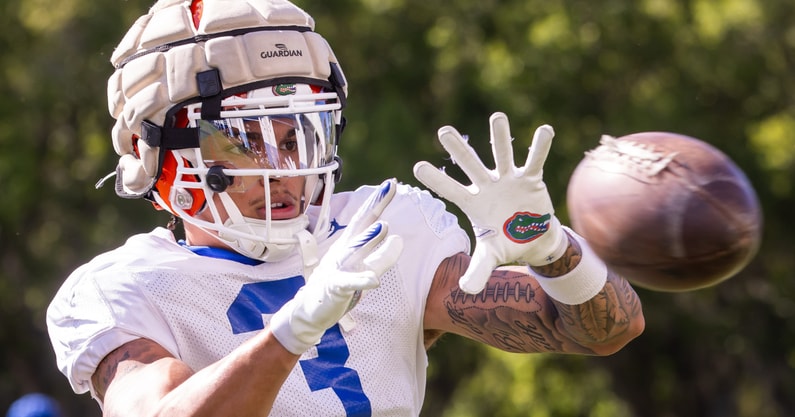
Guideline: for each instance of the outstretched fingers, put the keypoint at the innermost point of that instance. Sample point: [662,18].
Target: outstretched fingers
[441,183]
[463,155]
[501,145]
[539,150]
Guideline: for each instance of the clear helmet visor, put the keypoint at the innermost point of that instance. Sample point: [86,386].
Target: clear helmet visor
[253,149]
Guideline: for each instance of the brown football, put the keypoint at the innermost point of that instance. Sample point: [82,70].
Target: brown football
[666,211]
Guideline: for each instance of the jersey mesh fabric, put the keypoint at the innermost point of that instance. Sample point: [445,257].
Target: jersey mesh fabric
[201,308]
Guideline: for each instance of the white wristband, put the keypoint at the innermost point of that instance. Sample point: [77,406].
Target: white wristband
[582,283]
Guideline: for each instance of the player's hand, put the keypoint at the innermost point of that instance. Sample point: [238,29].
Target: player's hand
[509,207]
[354,263]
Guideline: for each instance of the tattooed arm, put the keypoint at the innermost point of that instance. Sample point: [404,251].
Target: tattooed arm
[514,314]
[140,378]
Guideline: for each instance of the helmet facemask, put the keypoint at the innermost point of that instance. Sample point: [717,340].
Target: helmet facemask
[265,169]
[194,58]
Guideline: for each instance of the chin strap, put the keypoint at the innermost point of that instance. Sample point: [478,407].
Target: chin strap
[309,253]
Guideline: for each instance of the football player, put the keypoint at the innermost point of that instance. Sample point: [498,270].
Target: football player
[286,298]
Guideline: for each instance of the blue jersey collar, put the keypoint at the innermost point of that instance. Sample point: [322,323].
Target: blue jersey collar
[220,253]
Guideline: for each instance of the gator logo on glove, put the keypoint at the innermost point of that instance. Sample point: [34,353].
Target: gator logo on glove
[524,227]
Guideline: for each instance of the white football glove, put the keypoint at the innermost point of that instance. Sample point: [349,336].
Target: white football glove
[354,263]
[509,207]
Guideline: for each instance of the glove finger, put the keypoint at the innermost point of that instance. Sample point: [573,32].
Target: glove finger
[479,271]
[539,149]
[346,282]
[362,245]
[501,144]
[464,155]
[441,183]
[376,264]
[385,256]
[372,209]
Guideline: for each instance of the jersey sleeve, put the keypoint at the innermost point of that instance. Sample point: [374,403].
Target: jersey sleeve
[97,309]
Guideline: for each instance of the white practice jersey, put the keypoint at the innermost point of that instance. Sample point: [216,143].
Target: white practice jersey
[202,307]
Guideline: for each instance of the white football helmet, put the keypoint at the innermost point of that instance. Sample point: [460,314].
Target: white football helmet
[228,115]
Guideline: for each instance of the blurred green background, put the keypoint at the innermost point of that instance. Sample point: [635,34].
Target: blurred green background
[718,70]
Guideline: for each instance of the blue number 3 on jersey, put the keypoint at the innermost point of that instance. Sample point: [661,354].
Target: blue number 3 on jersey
[328,369]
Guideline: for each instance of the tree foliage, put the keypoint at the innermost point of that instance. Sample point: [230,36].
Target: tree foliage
[719,70]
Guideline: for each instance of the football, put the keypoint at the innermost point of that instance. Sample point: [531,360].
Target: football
[667,211]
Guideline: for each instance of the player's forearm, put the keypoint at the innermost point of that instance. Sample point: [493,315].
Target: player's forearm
[244,383]
[605,322]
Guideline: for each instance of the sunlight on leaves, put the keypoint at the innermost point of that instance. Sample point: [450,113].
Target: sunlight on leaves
[46,16]
[554,30]
[753,400]
[663,9]
[536,386]
[19,77]
[772,139]
[500,65]
[440,36]
[589,34]
[715,18]
[382,6]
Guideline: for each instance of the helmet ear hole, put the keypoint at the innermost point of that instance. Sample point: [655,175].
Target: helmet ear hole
[189,200]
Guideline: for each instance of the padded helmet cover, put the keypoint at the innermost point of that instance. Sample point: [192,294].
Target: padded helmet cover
[163,61]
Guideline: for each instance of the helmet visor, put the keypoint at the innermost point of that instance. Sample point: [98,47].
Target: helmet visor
[274,145]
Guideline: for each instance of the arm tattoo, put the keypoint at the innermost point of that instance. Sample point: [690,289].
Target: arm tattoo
[514,314]
[570,259]
[507,314]
[107,370]
[606,315]
[122,361]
